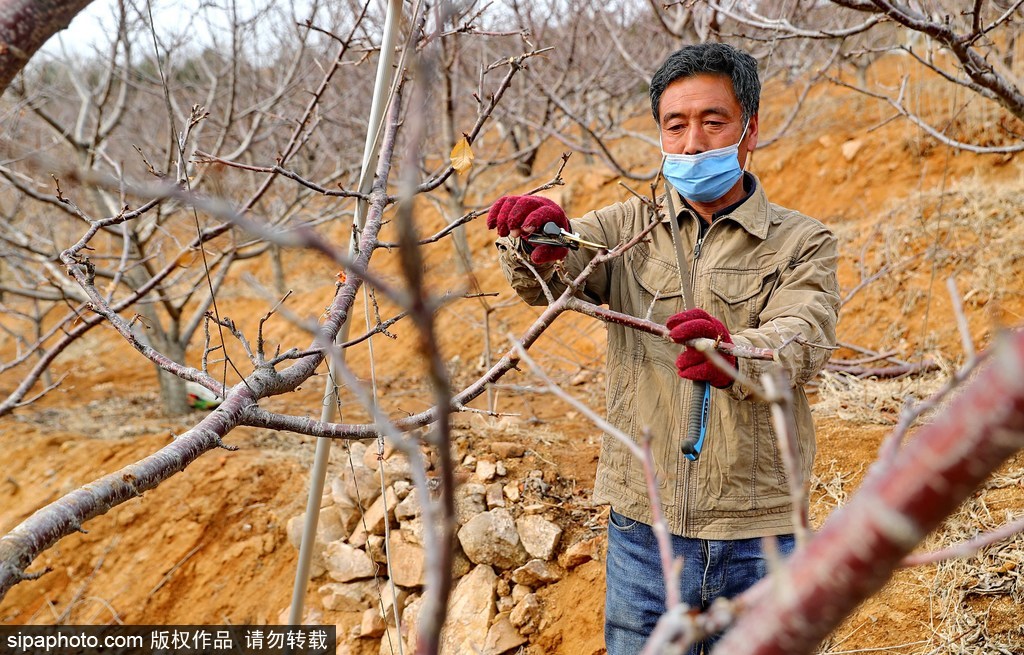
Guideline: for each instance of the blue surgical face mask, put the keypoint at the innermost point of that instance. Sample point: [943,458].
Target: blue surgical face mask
[706,176]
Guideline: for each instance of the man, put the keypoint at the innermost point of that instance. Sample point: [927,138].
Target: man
[761,276]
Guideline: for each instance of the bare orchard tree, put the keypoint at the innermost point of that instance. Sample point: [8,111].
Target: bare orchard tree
[969,45]
[94,120]
[592,93]
[147,204]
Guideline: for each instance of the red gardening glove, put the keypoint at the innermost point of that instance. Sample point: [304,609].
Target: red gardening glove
[692,364]
[527,214]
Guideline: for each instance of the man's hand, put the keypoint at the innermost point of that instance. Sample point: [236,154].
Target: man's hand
[521,216]
[692,364]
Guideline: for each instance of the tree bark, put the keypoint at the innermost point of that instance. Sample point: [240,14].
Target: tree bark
[900,502]
[25,25]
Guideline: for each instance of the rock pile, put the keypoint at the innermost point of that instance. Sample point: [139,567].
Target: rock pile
[506,550]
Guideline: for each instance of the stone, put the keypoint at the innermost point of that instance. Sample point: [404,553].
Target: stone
[512,492]
[491,538]
[851,148]
[374,518]
[408,563]
[338,493]
[580,552]
[372,456]
[294,530]
[536,573]
[506,449]
[539,536]
[500,469]
[402,488]
[469,501]
[486,470]
[351,645]
[348,596]
[410,507]
[495,496]
[505,604]
[360,484]
[410,615]
[502,636]
[372,624]
[460,564]
[330,526]
[526,614]
[317,565]
[312,616]
[503,588]
[394,468]
[388,601]
[375,549]
[470,611]
[519,592]
[389,642]
[346,563]
[413,530]
[347,511]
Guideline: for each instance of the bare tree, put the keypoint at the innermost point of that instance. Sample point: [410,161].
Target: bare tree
[967,46]
[151,264]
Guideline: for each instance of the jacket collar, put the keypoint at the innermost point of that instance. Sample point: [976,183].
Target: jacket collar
[752,215]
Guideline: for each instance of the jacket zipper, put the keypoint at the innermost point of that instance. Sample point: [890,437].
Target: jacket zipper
[690,479]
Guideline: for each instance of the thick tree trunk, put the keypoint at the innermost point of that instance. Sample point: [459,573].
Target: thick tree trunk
[463,253]
[898,504]
[277,268]
[165,339]
[172,388]
[25,25]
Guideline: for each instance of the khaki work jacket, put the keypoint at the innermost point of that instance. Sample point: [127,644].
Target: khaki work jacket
[769,274]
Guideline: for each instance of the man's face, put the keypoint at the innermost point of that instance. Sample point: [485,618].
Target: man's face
[701,113]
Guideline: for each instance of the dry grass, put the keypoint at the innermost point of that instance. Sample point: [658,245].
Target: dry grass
[972,232]
[970,605]
[979,601]
[974,605]
[829,491]
[872,401]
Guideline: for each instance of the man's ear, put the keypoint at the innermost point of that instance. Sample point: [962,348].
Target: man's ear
[749,142]
[752,132]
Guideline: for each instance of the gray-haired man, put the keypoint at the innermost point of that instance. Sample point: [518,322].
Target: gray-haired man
[762,276]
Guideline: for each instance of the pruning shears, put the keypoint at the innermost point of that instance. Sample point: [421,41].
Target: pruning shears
[553,235]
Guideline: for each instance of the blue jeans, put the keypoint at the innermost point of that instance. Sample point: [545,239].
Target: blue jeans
[635,588]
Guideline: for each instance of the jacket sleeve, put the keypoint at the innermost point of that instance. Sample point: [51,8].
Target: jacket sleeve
[604,226]
[799,319]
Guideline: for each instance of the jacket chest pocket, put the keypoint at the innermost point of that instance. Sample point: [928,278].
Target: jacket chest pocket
[738,296]
[655,292]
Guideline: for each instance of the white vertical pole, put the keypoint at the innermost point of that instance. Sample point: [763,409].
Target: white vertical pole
[381,90]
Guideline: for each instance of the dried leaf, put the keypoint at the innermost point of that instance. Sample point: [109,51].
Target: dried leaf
[186,259]
[462,156]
